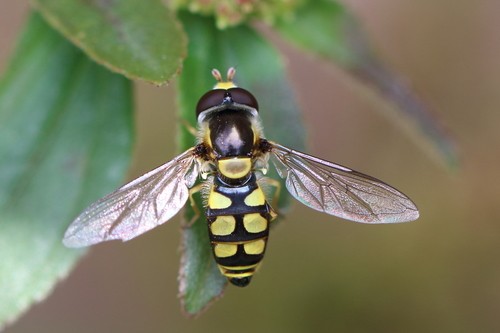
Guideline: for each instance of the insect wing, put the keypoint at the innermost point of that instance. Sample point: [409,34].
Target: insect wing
[136,207]
[340,191]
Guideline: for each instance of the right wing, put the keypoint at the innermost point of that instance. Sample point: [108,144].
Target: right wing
[138,206]
[340,191]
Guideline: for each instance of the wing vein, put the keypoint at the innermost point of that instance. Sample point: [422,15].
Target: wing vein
[340,191]
[136,207]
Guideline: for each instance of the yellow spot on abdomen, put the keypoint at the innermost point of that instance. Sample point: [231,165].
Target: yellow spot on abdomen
[255,247]
[235,168]
[239,268]
[223,225]
[254,223]
[218,201]
[256,198]
[236,275]
[222,250]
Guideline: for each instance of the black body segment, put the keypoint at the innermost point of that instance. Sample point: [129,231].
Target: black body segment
[238,223]
[237,212]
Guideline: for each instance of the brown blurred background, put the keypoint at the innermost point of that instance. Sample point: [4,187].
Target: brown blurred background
[322,274]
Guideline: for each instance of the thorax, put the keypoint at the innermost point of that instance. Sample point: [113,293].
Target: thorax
[230,136]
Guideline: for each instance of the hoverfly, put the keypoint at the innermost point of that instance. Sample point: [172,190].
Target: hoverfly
[232,157]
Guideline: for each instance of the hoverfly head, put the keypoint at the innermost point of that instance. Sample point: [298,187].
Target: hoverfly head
[226,92]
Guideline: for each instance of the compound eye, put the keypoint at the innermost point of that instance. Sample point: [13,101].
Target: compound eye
[210,99]
[242,96]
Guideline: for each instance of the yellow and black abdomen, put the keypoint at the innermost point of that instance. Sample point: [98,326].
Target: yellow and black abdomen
[238,223]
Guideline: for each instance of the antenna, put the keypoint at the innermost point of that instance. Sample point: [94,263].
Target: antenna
[228,83]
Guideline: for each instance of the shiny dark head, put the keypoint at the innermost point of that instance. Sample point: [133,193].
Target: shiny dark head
[218,97]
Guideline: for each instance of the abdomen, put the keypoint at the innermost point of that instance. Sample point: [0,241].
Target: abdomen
[238,224]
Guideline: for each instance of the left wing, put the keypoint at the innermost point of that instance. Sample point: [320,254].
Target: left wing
[138,206]
[340,191]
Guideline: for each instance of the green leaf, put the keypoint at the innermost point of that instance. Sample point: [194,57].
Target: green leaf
[139,39]
[326,28]
[65,140]
[260,70]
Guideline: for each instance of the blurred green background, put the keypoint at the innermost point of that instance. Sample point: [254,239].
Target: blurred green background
[323,274]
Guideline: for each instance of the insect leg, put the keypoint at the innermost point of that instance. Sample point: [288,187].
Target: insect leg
[195,189]
[189,127]
[276,195]
[277,185]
